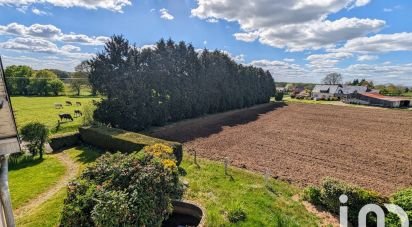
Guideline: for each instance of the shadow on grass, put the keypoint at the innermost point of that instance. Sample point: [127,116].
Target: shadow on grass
[24,161]
[89,154]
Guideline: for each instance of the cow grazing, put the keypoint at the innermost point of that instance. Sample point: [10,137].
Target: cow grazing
[68,103]
[58,106]
[65,116]
[78,113]
[78,103]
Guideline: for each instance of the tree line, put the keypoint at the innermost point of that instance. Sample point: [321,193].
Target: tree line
[23,80]
[171,82]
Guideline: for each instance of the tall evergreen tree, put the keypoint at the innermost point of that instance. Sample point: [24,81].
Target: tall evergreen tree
[171,82]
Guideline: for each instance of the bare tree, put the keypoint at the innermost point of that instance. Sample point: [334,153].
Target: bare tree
[332,78]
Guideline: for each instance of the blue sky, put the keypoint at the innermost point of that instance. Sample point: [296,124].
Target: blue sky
[297,40]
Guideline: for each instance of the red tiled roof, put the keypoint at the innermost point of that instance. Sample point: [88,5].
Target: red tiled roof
[388,98]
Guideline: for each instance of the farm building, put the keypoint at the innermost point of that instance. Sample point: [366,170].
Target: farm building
[281,89]
[376,99]
[348,89]
[325,91]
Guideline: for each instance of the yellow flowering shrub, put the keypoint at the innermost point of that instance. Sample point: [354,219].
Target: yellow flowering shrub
[168,163]
[163,152]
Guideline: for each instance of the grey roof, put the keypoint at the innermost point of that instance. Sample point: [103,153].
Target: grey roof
[348,89]
[331,89]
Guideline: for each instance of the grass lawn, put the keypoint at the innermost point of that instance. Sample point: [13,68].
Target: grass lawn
[288,99]
[41,109]
[270,205]
[49,213]
[264,205]
[29,179]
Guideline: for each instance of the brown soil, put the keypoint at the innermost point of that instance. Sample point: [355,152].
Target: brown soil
[303,143]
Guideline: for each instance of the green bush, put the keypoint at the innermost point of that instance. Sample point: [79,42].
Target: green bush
[236,215]
[120,140]
[312,195]
[66,140]
[279,96]
[122,190]
[403,199]
[330,191]
[36,135]
[88,110]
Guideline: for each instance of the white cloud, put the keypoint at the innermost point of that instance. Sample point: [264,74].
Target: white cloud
[113,5]
[283,71]
[289,59]
[83,39]
[247,37]
[212,20]
[45,41]
[71,48]
[388,10]
[35,30]
[359,3]
[317,35]
[40,62]
[295,25]
[39,12]
[367,57]
[380,43]
[326,61]
[30,44]
[148,46]
[379,73]
[37,45]
[50,32]
[164,14]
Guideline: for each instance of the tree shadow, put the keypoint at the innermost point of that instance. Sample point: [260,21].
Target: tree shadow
[24,162]
[201,127]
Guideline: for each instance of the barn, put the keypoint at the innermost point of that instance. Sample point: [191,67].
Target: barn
[325,91]
[375,99]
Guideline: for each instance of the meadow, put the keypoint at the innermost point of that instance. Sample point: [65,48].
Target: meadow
[41,109]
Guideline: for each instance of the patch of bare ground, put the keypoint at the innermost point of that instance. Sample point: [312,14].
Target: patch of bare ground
[302,143]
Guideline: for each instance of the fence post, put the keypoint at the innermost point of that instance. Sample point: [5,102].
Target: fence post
[226,165]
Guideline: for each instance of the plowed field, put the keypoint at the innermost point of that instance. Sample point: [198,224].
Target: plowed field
[303,143]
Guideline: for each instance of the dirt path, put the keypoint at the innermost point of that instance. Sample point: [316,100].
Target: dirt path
[71,172]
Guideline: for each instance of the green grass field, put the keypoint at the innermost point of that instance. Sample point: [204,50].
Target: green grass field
[31,178]
[41,109]
[48,214]
[264,205]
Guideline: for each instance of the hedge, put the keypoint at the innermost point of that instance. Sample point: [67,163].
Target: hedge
[114,139]
[331,189]
[66,140]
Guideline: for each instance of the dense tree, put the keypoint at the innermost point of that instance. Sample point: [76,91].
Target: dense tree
[18,79]
[40,82]
[82,71]
[60,73]
[332,78]
[363,82]
[56,86]
[77,81]
[171,82]
[36,134]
